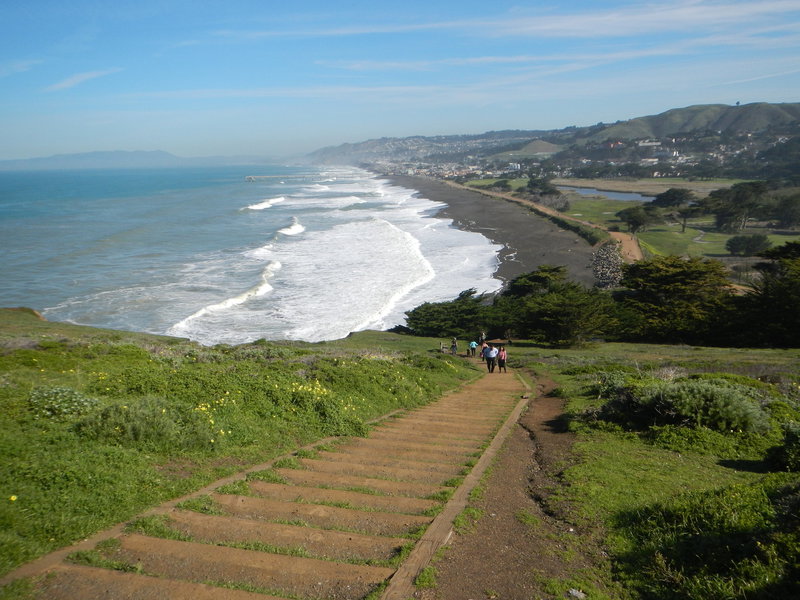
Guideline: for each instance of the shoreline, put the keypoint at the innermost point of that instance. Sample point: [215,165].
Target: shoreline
[528,240]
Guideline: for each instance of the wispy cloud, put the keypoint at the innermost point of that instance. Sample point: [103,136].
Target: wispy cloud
[17,66]
[79,78]
[644,19]
[636,19]
[765,76]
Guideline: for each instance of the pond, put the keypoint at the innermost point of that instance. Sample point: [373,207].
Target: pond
[627,196]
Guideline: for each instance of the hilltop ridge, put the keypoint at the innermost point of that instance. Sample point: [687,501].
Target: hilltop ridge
[748,118]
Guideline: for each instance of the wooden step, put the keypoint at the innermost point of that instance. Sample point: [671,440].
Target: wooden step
[75,582]
[320,543]
[274,573]
[349,482]
[319,515]
[376,471]
[301,493]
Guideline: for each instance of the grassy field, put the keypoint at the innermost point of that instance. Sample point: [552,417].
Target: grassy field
[684,512]
[699,239]
[98,425]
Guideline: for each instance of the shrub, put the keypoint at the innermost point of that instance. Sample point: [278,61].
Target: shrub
[609,383]
[151,423]
[58,402]
[747,245]
[786,456]
[714,404]
[702,440]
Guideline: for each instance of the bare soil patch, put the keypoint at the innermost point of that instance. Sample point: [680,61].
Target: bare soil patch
[520,543]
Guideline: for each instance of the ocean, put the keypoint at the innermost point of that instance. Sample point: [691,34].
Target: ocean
[298,253]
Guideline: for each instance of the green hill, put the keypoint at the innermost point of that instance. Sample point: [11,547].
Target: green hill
[710,117]
[756,117]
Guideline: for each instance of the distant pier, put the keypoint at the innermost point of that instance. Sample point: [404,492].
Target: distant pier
[296,177]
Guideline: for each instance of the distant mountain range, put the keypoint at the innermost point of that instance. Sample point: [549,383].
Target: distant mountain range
[752,118]
[137,159]
[693,120]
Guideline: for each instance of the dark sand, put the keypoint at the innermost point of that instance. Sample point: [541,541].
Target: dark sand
[529,240]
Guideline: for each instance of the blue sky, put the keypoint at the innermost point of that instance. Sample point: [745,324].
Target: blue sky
[276,78]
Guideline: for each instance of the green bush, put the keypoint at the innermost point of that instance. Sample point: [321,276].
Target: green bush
[702,440]
[58,402]
[716,404]
[609,383]
[154,424]
[786,456]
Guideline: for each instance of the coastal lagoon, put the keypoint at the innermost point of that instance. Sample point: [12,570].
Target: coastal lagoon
[626,196]
[297,253]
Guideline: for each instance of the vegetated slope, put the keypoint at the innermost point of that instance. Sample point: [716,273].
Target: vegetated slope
[754,117]
[420,147]
[536,148]
[714,117]
[97,425]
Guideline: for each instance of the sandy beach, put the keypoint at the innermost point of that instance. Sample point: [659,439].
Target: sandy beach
[529,240]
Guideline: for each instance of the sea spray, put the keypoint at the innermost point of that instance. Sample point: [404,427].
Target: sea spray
[202,253]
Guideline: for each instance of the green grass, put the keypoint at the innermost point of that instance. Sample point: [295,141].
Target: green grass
[143,419]
[686,513]
[148,439]
[626,474]
[597,209]
[426,578]
[699,238]
[467,520]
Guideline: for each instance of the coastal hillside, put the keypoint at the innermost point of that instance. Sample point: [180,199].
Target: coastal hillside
[712,117]
[748,118]
[688,457]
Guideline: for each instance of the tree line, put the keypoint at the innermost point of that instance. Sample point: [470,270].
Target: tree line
[666,299]
[733,209]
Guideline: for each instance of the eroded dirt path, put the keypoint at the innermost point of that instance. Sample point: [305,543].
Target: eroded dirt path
[522,542]
[337,523]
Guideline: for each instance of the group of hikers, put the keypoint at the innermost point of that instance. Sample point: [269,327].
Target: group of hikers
[494,355]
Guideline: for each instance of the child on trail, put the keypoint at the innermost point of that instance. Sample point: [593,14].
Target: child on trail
[501,360]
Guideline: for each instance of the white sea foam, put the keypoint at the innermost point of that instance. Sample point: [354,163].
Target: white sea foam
[265,204]
[182,327]
[296,228]
[369,252]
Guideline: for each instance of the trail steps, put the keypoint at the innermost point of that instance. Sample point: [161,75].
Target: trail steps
[333,528]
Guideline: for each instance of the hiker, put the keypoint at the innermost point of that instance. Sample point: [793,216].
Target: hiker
[501,360]
[473,346]
[491,358]
[454,347]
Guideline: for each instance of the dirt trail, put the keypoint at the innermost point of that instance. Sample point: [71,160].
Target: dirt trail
[333,528]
